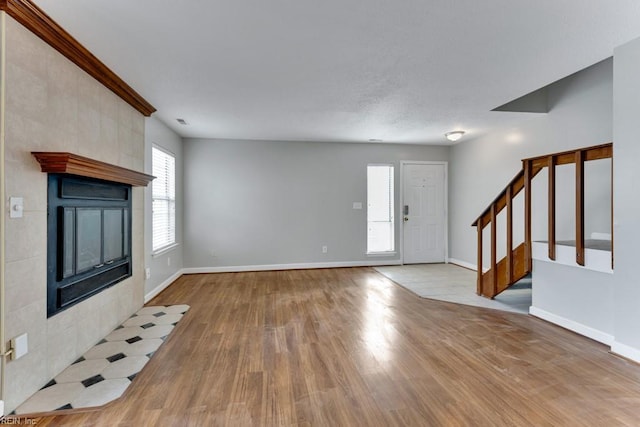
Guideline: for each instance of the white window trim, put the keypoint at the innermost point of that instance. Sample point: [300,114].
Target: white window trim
[167,248]
[395,237]
[382,254]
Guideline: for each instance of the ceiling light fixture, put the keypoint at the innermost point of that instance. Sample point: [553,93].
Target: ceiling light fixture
[454,135]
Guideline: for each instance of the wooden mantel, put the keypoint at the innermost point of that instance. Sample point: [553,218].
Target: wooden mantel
[51,162]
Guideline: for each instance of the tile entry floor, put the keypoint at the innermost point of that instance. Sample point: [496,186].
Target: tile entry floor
[104,372]
[452,283]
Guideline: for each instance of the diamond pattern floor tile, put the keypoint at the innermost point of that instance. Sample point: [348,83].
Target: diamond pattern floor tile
[176,309]
[83,370]
[151,310]
[143,347]
[124,333]
[102,351]
[101,393]
[51,398]
[158,331]
[104,372]
[168,319]
[124,368]
[140,320]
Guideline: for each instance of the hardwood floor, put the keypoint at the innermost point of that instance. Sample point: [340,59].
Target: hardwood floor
[343,347]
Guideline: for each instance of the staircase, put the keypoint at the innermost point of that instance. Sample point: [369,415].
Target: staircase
[517,263]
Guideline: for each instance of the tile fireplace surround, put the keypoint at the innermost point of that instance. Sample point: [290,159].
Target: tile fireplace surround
[51,104]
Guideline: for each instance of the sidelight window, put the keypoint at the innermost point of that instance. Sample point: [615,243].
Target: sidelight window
[380,209]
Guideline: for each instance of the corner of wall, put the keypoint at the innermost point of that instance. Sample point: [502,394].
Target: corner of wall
[166,267]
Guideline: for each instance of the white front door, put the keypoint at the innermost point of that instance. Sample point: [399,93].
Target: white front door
[423,213]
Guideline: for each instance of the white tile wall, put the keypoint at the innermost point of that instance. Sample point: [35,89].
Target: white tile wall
[52,105]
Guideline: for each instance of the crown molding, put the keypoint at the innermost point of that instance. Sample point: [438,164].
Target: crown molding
[51,162]
[39,23]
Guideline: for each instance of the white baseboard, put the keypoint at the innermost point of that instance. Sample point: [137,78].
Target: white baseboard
[1,408]
[162,286]
[300,266]
[572,325]
[463,264]
[625,351]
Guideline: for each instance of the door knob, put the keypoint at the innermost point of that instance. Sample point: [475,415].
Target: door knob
[406,219]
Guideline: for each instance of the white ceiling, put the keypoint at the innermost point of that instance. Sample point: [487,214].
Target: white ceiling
[343,70]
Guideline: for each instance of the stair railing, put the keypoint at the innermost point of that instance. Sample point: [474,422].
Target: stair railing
[518,262]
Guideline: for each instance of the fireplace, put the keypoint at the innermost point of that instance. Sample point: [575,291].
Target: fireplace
[89,238]
[88,226]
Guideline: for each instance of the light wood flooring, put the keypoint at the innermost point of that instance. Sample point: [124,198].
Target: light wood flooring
[348,347]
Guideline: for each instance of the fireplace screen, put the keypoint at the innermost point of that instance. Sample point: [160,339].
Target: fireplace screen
[89,239]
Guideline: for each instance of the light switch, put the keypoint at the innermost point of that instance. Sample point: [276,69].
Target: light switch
[16,206]
[357,205]
[20,346]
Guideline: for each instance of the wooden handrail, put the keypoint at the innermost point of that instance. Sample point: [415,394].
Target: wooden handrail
[516,185]
[513,269]
[596,152]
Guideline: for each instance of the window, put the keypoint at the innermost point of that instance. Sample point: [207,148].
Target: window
[380,223]
[164,199]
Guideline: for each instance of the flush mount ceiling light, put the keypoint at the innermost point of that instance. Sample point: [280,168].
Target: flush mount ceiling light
[454,135]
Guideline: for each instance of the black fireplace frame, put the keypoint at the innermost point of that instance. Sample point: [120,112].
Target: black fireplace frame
[68,197]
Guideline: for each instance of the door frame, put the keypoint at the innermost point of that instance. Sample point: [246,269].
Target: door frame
[403,163]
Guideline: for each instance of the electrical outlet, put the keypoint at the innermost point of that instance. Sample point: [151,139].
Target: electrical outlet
[147,273]
[325,250]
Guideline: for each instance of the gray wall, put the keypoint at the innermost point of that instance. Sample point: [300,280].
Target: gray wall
[269,203]
[578,296]
[626,152]
[167,264]
[580,115]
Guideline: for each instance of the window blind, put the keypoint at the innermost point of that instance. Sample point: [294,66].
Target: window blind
[164,199]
